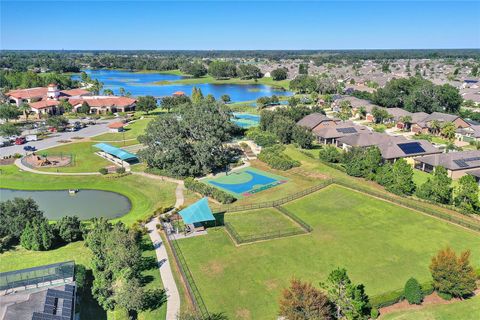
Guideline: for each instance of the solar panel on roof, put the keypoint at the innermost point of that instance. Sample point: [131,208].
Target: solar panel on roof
[461,163]
[411,147]
[347,130]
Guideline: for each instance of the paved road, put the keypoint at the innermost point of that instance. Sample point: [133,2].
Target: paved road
[89,131]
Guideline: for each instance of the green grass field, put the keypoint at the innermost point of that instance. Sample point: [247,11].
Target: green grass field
[380,244]
[145,194]
[256,222]
[132,131]
[463,310]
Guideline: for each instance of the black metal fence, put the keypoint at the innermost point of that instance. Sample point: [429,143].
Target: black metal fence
[192,288]
[279,202]
[238,239]
[295,218]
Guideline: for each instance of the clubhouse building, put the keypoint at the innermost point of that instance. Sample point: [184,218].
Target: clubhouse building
[46,100]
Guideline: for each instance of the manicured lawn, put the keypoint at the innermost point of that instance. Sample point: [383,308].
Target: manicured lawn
[208,79]
[380,244]
[132,131]
[145,194]
[463,310]
[19,258]
[257,222]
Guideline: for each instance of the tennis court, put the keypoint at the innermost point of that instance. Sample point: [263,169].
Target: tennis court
[246,120]
[247,181]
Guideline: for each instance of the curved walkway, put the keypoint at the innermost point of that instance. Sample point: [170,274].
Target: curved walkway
[173,301]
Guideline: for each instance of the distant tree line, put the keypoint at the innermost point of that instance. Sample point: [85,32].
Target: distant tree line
[28,79]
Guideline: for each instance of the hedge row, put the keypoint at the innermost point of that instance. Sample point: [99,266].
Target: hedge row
[389,298]
[276,159]
[206,190]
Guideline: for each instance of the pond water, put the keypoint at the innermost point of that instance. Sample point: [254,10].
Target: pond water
[141,84]
[85,203]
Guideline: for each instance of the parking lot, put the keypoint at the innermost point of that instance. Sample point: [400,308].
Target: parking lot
[54,138]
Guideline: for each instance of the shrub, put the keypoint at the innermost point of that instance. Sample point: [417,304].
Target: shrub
[330,154]
[262,138]
[206,190]
[120,170]
[103,171]
[68,229]
[445,296]
[276,159]
[37,235]
[413,291]
[374,313]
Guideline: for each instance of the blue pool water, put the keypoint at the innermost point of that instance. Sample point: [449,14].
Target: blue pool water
[257,179]
[141,84]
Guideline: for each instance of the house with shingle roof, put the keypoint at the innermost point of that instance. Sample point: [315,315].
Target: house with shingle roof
[317,119]
[331,134]
[457,164]
[391,147]
[424,125]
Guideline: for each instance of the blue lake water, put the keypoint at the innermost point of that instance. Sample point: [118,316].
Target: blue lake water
[141,84]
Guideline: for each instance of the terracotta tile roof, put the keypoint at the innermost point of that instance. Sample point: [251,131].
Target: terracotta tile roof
[75,92]
[116,125]
[103,101]
[179,93]
[44,104]
[28,93]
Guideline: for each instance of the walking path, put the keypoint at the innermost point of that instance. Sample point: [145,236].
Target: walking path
[173,297]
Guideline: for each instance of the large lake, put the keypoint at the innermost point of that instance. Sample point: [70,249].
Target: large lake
[141,84]
[85,204]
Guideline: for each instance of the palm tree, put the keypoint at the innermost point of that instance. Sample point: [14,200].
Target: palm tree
[435,126]
[25,109]
[448,131]
[108,92]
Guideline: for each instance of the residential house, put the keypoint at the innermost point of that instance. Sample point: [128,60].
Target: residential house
[391,147]
[469,134]
[316,119]
[425,125]
[457,164]
[331,134]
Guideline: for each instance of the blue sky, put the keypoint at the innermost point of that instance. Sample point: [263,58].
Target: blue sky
[238,25]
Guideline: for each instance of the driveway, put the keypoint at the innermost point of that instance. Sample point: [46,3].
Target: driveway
[52,141]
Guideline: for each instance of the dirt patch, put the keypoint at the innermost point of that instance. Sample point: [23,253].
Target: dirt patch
[213,268]
[271,284]
[243,314]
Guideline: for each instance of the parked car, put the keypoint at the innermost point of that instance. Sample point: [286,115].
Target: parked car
[31,137]
[29,148]
[20,140]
